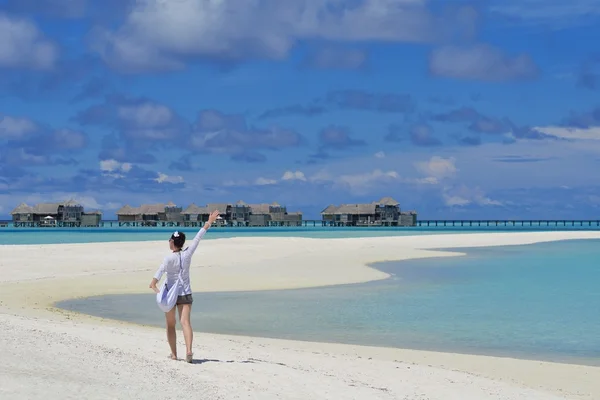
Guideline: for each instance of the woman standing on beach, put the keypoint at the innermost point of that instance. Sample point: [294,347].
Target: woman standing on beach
[179,260]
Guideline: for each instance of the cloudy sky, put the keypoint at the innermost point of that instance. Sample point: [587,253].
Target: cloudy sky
[458,109]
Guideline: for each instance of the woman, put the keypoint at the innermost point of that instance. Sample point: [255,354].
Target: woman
[180,258]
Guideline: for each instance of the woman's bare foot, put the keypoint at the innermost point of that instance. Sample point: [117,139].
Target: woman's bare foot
[189,357]
[173,356]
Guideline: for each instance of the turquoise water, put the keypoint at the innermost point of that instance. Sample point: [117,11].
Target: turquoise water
[535,301]
[92,235]
[10,235]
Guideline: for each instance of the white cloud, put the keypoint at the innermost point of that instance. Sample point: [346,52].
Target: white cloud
[355,183]
[22,45]
[592,133]
[14,127]
[114,168]
[463,196]
[265,181]
[164,178]
[361,183]
[162,34]
[380,154]
[443,171]
[293,176]
[437,168]
[288,176]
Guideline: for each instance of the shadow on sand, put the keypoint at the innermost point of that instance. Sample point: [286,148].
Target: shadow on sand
[208,360]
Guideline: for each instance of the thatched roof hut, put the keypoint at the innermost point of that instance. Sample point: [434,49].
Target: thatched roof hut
[127,210]
[193,209]
[330,209]
[357,209]
[221,207]
[387,201]
[22,209]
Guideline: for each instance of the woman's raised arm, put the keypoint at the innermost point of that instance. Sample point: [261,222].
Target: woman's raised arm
[196,240]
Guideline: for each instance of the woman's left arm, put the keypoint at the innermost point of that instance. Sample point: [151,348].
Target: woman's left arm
[159,273]
[153,285]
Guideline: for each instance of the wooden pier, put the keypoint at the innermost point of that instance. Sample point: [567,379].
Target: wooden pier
[524,223]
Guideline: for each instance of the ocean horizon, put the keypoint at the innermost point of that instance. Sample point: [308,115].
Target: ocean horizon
[536,301]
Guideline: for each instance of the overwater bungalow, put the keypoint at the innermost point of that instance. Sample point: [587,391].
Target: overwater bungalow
[384,212]
[68,214]
[238,214]
[273,214]
[195,213]
[150,214]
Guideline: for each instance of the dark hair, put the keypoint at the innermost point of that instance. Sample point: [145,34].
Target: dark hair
[178,239]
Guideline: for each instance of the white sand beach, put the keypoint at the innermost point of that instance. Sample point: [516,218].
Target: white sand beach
[54,354]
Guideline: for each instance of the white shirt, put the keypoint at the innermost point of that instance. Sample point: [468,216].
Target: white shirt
[170,265]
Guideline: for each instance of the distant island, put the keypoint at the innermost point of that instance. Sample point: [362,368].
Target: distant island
[385,212]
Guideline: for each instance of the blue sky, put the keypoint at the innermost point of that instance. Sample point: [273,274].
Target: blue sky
[458,109]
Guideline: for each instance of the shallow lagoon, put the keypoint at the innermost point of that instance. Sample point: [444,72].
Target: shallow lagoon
[534,301]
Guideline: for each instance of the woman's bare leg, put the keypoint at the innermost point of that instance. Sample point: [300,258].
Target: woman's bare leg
[171,334]
[186,325]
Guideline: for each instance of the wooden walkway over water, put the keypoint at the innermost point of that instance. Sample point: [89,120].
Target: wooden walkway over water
[494,222]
